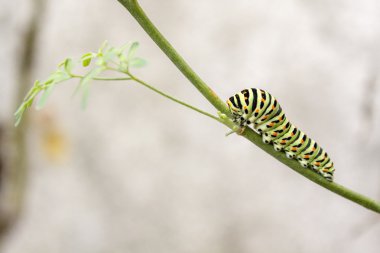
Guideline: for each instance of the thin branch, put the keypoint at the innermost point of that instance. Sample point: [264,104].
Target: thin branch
[105,78]
[145,84]
[137,12]
[174,99]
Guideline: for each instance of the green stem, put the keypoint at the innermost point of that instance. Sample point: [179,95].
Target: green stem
[136,11]
[104,78]
[174,99]
[112,79]
[133,78]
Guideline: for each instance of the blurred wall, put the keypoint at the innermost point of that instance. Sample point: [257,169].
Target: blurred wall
[137,173]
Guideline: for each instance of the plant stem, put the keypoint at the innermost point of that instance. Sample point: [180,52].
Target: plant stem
[174,99]
[137,12]
[111,79]
[105,78]
[133,78]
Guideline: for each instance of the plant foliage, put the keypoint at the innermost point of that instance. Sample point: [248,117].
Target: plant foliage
[107,58]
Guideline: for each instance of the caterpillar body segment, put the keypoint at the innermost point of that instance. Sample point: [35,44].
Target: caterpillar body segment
[262,110]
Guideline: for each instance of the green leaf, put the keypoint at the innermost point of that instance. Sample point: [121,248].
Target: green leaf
[19,113]
[85,96]
[120,51]
[102,48]
[42,101]
[56,77]
[68,65]
[32,90]
[132,50]
[123,66]
[18,119]
[85,84]
[27,102]
[20,109]
[107,58]
[109,55]
[101,62]
[87,58]
[137,62]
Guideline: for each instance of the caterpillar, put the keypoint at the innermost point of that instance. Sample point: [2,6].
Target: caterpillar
[261,109]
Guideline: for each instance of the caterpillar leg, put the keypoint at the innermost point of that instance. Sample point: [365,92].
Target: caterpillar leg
[241,130]
[277,147]
[327,171]
[303,162]
[266,138]
[308,154]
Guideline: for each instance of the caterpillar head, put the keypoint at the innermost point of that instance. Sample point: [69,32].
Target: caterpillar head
[235,106]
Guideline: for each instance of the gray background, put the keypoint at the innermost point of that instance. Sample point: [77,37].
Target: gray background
[135,172]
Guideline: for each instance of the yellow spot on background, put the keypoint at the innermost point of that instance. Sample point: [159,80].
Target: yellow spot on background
[54,145]
[53,140]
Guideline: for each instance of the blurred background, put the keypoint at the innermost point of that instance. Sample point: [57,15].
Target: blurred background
[135,172]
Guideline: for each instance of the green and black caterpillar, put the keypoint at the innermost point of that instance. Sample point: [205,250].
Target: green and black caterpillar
[261,109]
